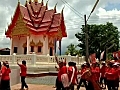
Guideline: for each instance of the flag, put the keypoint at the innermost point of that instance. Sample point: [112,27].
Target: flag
[92,58]
[114,54]
[103,55]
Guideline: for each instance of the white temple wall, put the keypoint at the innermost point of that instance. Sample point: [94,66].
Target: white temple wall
[18,42]
[36,39]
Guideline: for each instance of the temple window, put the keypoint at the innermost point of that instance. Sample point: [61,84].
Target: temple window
[32,48]
[25,50]
[15,49]
[39,49]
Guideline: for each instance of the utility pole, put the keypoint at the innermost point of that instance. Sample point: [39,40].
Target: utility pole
[86,40]
[86,32]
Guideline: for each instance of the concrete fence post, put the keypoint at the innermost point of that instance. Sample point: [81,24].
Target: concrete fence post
[34,59]
[48,57]
[68,58]
[13,58]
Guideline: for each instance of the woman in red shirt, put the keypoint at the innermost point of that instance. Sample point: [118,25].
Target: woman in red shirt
[5,79]
[23,74]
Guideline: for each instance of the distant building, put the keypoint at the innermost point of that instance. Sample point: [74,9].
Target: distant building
[34,28]
[4,51]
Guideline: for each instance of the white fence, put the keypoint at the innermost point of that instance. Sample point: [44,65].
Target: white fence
[34,59]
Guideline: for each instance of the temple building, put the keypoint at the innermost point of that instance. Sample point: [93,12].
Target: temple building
[35,28]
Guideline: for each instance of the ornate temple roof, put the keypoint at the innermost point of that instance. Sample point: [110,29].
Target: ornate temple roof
[38,19]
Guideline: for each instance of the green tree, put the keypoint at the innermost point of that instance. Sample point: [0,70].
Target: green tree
[71,49]
[100,37]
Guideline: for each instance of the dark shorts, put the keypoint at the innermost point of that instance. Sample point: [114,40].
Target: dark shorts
[103,80]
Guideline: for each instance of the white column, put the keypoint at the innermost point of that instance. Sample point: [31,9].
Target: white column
[11,45]
[28,42]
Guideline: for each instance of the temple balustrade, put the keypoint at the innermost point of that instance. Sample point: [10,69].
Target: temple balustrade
[33,59]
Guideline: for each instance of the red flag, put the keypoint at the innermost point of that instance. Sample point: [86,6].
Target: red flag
[115,54]
[93,57]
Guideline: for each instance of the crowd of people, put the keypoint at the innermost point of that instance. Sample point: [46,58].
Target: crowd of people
[94,76]
[5,75]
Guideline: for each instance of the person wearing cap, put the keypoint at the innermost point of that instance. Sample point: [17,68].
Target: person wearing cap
[110,76]
[5,79]
[62,70]
[102,77]
[71,75]
[116,75]
[82,79]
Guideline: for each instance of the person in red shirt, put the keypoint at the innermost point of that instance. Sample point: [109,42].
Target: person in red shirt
[103,78]
[5,79]
[71,75]
[82,79]
[110,76]
[116,75]
[23,74]
[95,72]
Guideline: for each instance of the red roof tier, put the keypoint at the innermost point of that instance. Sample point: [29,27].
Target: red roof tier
[38,19]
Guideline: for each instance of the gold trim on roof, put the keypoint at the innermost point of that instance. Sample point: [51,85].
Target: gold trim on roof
[20,27]
[32,43]
[39,43]
[25,44]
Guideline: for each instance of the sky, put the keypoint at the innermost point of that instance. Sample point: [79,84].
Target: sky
[74,11]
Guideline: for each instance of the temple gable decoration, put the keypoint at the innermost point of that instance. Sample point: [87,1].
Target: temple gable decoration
[32,43]
[51,44]
[39,44]
[25,44]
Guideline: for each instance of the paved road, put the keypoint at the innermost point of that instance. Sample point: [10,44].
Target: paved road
[37,87]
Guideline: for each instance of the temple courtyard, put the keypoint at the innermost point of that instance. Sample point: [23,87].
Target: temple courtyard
[38,87]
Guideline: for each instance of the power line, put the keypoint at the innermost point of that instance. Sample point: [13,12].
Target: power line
[73,7]
[72,10]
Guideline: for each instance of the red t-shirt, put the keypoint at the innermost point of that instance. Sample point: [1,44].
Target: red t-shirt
[82,73]
[70,72]
[116,75]
[23,70]
[110,74]
[103,71]
[61,71]
[5,73]
[95,73]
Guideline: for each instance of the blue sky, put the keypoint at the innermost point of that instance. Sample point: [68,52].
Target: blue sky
[111,6]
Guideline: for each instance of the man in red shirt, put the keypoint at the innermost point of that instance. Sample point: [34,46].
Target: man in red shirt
[82,79]
[95,72]
[110,76]
[103,71]
[23,74]
[5,79]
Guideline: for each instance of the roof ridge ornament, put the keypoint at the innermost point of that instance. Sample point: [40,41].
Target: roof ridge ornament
[18,2]
[55,7]
[42,3]
[47,4]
